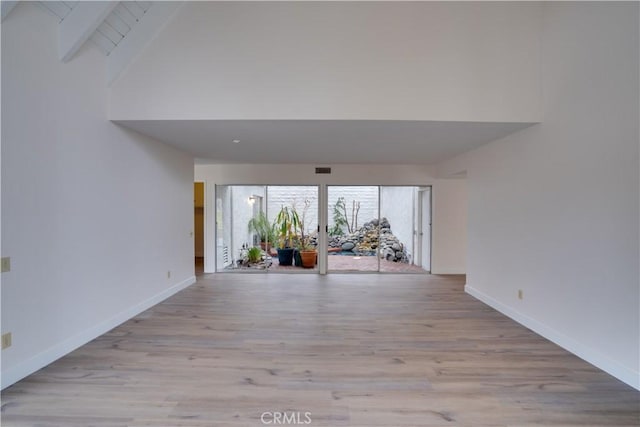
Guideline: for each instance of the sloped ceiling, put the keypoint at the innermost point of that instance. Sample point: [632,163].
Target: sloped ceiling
[120,29]
[121,18]
[116,26]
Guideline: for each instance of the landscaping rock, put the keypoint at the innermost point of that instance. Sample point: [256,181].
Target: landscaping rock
[348,246]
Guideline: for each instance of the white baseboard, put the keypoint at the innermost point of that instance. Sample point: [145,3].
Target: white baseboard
[48,356]
[447,271]
[623,373]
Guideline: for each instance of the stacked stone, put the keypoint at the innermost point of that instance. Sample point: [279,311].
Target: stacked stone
[391,248]
[366,241]
[334,241]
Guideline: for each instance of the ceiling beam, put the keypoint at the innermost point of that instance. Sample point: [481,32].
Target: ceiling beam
[140,36]
[7,7]
[78,26]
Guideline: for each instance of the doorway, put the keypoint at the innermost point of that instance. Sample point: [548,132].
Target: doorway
[198,225]
[423,238]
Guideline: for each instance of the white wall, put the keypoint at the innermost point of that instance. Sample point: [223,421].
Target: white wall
[294,196]
[398,205]
[93,215]
[452,262]
[449,230]
[461,61]
[241,213]
[553,209]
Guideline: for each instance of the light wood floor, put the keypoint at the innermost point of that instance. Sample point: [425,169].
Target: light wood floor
[353,350]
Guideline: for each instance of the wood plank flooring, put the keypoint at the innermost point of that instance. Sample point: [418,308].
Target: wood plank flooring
[351,350]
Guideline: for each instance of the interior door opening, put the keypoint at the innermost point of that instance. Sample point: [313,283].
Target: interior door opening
[198,225]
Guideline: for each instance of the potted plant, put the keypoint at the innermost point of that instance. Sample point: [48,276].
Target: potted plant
[308,254]
[255,255]
[287,222]
[266,231]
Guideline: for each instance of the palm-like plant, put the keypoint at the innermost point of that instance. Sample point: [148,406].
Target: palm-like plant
[263,228]
[287,222]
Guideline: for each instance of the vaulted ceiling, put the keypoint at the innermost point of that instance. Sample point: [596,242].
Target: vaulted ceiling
[120,29]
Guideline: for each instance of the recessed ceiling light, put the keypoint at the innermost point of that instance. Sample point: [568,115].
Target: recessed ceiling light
[236,141]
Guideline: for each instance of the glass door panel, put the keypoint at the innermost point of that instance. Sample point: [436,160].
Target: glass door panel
[295,245]
[398,229]
[353,222]
[241,237]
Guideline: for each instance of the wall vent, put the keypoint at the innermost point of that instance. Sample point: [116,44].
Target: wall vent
[323,170]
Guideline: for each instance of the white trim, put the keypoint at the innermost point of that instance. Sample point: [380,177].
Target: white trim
[446,271]
[623,373]
[41,360]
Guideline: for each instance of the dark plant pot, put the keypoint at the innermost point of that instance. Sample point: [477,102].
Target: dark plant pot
[297,260]
[285,256]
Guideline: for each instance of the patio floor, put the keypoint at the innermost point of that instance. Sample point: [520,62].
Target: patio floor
[345,263]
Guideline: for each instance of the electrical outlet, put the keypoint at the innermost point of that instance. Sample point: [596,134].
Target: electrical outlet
[6,340]
[5,264]
[169,274]
[520,294]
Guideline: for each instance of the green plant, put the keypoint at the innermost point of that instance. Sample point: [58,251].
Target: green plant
[263,228]
[287,223]
[254,254]
[339,218]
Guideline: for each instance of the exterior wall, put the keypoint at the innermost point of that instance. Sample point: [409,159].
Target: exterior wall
[397,204]
[240,214]
[278,196]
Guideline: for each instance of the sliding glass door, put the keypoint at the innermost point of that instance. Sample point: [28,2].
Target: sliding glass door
[378,228]
[266,228]
[262,228]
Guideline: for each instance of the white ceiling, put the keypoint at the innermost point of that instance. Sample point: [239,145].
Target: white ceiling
[322,141]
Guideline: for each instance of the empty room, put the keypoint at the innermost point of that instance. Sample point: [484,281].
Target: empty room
[324,213]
